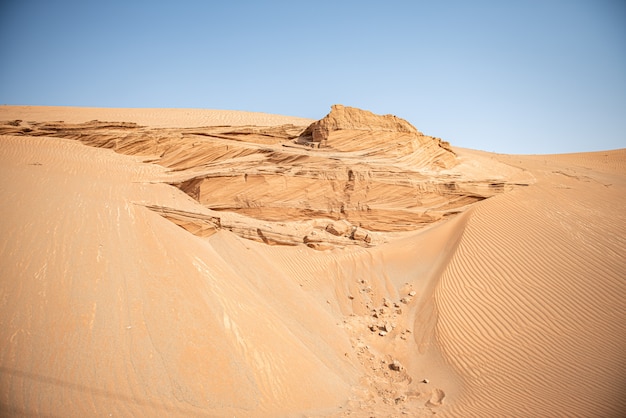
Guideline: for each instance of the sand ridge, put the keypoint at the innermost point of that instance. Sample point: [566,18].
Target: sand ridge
[123,292]
[153,117]
[538,275]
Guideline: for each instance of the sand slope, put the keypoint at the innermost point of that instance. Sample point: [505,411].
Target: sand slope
[509,306]
[531,304]
[110,308]
[157,118]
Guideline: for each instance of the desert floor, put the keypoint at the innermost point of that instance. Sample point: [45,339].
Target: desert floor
[177,262]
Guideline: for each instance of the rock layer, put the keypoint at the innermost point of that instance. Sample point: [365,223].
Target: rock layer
[374,174]
[351,129]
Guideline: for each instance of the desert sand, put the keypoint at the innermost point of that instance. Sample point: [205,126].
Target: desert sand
[179,262]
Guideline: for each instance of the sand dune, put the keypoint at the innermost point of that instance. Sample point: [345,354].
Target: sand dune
[539,277]
[213,263]
[156,118]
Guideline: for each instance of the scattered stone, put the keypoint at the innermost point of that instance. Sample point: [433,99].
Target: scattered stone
[311,238]
[339,228]
[319,246]
[360,235]
[396,366]
[316,242]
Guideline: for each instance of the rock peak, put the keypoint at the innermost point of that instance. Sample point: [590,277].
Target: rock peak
[348,129]
[351,118]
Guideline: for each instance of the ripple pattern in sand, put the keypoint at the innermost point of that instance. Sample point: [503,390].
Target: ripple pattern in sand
[523,316]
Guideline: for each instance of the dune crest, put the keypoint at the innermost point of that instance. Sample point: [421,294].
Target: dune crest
[186,268]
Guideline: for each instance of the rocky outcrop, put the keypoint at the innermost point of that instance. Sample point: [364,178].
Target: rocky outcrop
[386,136]
[350,118]
[365,175]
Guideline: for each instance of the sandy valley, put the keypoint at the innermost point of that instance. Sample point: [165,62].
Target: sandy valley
[179,262]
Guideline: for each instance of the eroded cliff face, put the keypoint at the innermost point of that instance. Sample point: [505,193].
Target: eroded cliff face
[347,179]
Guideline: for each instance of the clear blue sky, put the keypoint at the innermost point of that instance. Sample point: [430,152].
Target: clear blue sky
[525,76]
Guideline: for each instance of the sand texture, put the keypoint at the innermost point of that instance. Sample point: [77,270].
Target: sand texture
[180,262]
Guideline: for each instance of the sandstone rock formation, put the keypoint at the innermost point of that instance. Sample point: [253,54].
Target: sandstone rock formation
[351,129]
[365,175]
[351,118]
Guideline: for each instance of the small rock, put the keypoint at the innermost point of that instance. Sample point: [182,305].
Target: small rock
[382,333]
[425,380]
[388,326]
[338,228]
[396,366]
[319,246]
[412,293]
[312,237]
[360,235]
